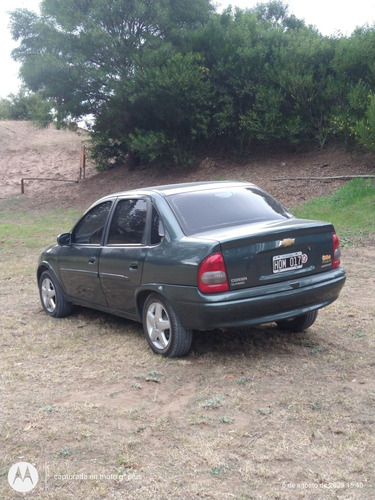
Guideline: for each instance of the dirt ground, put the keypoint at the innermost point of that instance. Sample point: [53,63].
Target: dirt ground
[249,414]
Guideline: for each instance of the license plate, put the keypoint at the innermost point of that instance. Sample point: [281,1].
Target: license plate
[287,262]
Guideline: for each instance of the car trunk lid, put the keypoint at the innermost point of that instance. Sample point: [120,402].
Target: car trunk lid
[260,254]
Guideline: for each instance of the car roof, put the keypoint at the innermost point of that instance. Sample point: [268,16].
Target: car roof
[170,189]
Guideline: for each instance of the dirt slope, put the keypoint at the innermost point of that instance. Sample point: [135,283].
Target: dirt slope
[26,151]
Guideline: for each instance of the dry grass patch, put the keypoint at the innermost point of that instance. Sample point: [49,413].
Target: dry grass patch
[249,414]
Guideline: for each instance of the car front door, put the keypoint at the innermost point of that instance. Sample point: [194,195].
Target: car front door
[79,262]
[123,255]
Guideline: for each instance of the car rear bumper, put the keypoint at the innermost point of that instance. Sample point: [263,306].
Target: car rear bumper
[255,305]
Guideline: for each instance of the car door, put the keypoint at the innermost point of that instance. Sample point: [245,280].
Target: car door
[123,255]
[79,262]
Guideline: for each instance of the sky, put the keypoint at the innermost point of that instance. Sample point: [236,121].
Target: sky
[330,17]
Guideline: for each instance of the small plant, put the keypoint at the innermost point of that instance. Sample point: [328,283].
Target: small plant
[126,463]
[64,453]
[141,429]
[226,420]
[316,350]
[264,411]
[307,343]
[153,376]
[316,406]
[359,334]
[243,380]
[213,402]
[221,469]
[216,471]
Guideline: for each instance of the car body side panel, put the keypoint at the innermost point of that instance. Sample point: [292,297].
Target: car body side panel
[176,261]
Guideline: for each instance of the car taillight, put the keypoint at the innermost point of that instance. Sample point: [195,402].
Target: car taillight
[336,251]
[212,275]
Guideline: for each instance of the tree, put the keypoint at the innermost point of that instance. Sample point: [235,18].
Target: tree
[241,51]
[365,129]
[83,54]
[26,106]
[276,14]
[354,67]
[163,112]
[303,71]
[164,78]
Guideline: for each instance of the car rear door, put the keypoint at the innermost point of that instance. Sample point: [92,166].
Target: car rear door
[122,257]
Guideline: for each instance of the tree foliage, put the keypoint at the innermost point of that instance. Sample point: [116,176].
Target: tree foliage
[26,106]
[164,79]
[365,128]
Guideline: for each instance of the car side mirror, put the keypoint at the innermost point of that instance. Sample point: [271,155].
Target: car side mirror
[64,239]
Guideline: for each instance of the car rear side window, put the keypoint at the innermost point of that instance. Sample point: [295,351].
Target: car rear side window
[128,222]
[207,210]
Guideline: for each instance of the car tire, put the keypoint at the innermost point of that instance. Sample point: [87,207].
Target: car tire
[163,329]
[299,323]
[52,296]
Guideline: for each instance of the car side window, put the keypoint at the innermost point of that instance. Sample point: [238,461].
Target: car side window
[128,222]
[89,229]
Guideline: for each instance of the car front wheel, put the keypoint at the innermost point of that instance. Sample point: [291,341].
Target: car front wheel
[163,328]
[52,297]
[299,323]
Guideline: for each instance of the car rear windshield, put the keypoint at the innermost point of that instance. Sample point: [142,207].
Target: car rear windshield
[212,209]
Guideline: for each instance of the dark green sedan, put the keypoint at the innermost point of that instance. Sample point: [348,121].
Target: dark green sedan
[196,256]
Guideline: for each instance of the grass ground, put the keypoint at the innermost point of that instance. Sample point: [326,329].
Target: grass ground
[250,414]
[351,209]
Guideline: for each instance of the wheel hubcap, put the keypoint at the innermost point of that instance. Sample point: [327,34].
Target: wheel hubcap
[158,325]
[48,295]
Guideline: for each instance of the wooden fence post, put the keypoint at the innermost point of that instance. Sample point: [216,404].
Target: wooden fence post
[82,163]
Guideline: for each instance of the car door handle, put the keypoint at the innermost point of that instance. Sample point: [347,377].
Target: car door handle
[92,260]
[133,266]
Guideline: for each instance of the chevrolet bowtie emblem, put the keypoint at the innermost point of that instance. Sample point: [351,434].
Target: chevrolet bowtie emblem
[287,242]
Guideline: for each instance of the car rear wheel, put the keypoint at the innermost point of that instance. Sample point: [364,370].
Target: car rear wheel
[299,323]
[163,328]
[52,296]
